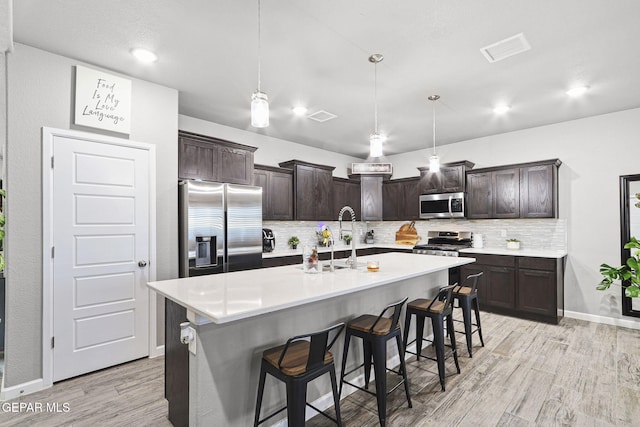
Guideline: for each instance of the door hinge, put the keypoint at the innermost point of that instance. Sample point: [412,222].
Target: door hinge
[51,162]
[53,342]
[53,251]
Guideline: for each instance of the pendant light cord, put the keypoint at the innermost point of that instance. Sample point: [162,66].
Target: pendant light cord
[259,45]
[434,127]
[375,97]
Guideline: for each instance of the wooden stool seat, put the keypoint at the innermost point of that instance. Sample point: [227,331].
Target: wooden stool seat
[462,290]
[427,305]
[365,323]
[295,360]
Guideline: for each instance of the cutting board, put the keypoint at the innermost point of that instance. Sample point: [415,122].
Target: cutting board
[407,234]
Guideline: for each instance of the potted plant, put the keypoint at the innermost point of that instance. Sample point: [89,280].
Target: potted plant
[293,242]
[347,238]
[629,273]
[513,244]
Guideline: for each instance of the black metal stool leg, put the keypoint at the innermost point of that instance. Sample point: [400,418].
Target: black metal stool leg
[452,338]
[345,351]
[419,334]
[380,368]
[263,376]
[336,396]
[407,324]
[438,340]
[403,369]
[296,402]
[368,356]
[476,308]
[465,304]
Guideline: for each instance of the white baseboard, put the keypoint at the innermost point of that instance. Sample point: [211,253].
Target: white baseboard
[625,323]
[23,389]
[157,352]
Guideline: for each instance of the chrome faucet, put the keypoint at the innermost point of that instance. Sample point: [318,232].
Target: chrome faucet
[352,258]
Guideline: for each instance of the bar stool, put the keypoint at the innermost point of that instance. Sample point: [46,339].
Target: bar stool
[467,297]
[302,359]
[375,332]
[438,309]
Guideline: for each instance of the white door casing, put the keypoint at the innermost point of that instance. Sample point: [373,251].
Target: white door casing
[99,203]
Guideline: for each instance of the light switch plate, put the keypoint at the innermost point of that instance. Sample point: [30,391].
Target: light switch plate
[192,341]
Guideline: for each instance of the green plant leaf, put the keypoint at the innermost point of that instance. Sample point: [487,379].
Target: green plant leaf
[632,291]
[632,263]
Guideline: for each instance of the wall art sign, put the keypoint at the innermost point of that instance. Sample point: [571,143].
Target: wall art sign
[371,168]
[102,100]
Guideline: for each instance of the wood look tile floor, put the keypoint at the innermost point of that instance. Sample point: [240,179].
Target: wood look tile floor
[529,374]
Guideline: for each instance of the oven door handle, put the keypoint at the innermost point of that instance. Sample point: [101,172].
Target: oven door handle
[450,210]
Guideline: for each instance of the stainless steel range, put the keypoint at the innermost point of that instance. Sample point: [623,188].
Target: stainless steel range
[444,243]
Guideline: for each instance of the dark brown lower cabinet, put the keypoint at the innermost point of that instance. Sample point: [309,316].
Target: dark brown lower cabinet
[324,256]
[525,287]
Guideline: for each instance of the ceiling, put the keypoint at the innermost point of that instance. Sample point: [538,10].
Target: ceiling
[316,53]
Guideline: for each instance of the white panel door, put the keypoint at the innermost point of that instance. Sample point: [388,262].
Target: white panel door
[101,240]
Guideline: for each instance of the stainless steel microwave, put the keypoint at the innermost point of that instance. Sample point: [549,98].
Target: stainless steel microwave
[445,205]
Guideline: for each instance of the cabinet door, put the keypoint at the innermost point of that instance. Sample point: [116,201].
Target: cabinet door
[353,198]
[323,185]
[537,292]
[430,182]
[261,179]
[280,196]
[392,198]
[506,193]
[501,286]
[371,203]
[537,192]
[452,179]
[479,202]
[197,160]
[411,205]
[235,166]
[305,201]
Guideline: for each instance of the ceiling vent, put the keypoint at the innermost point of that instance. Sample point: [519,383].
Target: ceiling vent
[321,116]
[506,48]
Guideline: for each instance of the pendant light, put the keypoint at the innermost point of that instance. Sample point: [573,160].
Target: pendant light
[375,139]
[259,100]
[434,160]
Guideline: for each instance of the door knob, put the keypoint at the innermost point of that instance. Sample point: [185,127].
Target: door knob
[142,263]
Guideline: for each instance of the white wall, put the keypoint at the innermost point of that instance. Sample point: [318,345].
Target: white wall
[595,151]
[40,93]
[271,151]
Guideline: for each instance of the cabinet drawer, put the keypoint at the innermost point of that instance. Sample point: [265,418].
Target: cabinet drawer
[548,264]
[497,260]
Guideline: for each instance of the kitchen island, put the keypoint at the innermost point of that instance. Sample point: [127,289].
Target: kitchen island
[238,315]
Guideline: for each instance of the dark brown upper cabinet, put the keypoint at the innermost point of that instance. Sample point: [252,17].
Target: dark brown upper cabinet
[277,191]
[450,178]
[312,185]
[213,159]
[371,197]
[346,192]
[400,199]
[526,190]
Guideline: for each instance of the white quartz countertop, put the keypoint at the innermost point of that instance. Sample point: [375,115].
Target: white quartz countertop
[223,298]
[516,252]
[340,247]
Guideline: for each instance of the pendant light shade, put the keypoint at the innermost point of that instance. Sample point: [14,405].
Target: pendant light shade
[259,110]
[375,139]
[259,99]
[434,160]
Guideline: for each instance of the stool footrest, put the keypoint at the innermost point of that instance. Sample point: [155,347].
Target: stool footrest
[322,413]
[272,415]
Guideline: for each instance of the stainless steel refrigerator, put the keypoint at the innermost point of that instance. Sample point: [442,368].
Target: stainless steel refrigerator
[220,227]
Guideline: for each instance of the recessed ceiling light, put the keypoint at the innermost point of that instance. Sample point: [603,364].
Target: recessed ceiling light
[144,55]
[501,109]
[577,91]
[299,110]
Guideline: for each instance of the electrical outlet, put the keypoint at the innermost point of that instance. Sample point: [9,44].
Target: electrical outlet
[503,233]
[192,340]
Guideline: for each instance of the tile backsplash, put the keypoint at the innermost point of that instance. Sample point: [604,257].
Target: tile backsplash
[534,234]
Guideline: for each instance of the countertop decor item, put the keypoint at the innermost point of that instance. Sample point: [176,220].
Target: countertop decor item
[293,242]
[324,236]
[629,274]
[513,244]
